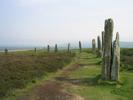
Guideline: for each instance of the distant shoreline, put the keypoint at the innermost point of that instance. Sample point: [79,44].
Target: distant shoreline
[73,46]
[14,50]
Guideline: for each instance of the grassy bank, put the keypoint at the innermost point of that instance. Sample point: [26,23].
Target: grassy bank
[86,80]
[18,69]
[82,78]
[127,59]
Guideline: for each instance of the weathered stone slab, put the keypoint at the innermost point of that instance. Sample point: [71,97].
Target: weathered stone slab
[107,55]
[115,59]
[93,46]
[99,46]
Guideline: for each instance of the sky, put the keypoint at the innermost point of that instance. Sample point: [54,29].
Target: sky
[41,22]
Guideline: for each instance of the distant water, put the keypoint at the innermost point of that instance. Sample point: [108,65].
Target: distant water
[122,45]
[13,49]
[126,44]
[73,45]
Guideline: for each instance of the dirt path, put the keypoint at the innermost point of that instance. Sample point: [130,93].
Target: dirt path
[81,80]
[54,89]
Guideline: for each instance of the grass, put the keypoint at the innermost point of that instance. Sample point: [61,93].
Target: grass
[85,80]
[18,69]
[127,59]
[91,87]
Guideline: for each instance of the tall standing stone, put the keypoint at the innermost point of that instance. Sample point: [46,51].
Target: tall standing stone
[103,69]
[99,46]
[48,48]
[107,56]
[6,50]
[80,46]
[68,49]
[93,45]
[111,53]
[35,50]
[115,59]
[103,41]
[56,48]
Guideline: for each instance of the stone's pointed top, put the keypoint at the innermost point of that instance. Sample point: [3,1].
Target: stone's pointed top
[105,22]
[117,36]
[93,39]
[109,25]
[98,37]
[110,20]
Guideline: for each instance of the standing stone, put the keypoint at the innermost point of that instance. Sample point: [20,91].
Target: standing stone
[99,46]
[48,48]
[80,46]
[56,48]
[103,69]
[111,53]
[115,59]
[103,41]
[68,49]
[35,50]
[93,45]
[107,56]
[6,50]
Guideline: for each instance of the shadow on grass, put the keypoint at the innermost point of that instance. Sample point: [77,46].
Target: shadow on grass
[89,81]
[89,57]
[81,81]
[92,63]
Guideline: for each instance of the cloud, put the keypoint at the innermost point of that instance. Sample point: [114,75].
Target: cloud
[31,2]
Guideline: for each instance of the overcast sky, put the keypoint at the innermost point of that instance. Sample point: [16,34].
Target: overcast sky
[38,22]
